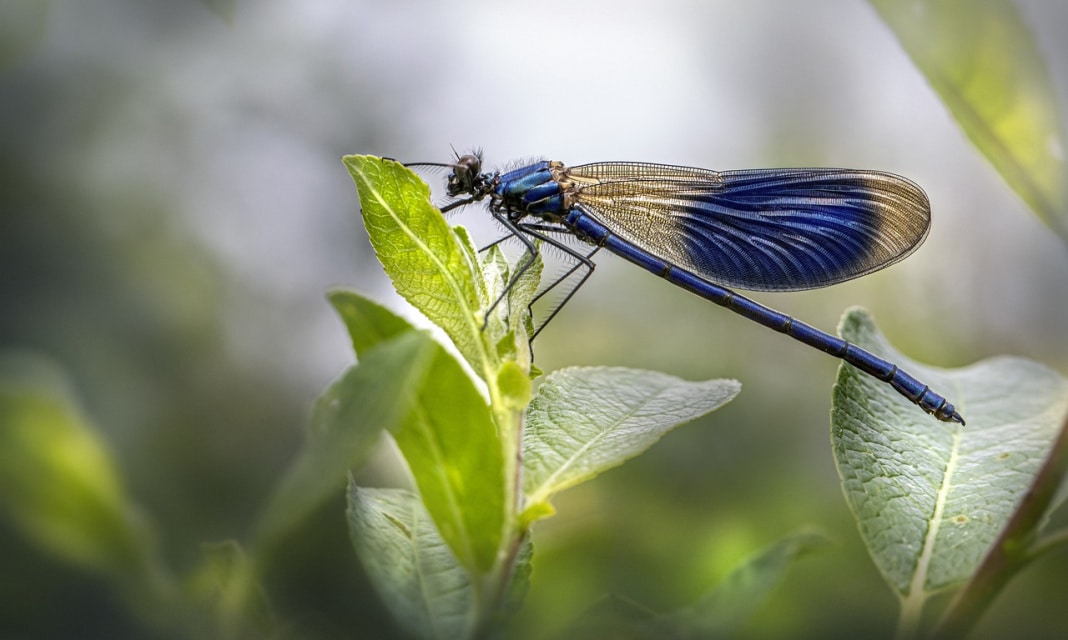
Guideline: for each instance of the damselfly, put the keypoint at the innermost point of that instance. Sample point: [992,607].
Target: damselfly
[704,230]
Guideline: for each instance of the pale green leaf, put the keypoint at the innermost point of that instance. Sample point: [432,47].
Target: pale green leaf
[368,322]
[497,272]
[348,419]
[520,297]
[519,585]
[510,325]
[616,617]
[584,421]
[983,62]
[451,445]
[514,383]
[720,613]
[429,264]
[1020,542]
[726,608]
[930,497]
[523,291]
[418,578]
[58,483]
[467,244]
[225,582]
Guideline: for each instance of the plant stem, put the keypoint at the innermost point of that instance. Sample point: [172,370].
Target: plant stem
[491,592]
[1014,548]
[908,619]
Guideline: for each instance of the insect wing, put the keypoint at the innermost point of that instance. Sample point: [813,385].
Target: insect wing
[764,229]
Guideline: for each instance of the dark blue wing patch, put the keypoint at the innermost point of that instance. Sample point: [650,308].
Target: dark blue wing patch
[766,229]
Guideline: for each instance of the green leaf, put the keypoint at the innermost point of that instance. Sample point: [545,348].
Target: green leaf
[520,297]
[584,421]
[720,613]
[452,448]
[514,383]
[467,244]
[617,617]
[58,483]
[931,498]
[225,583]
[510,325]
[346,424]
[368,322]
[496,273]
[225,9]
[723,611]
[418,578]
[519,585]
[518,571]
[1017,545]
[984,64]
[428,262]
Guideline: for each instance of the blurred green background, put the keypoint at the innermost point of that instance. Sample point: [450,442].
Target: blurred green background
[173,208]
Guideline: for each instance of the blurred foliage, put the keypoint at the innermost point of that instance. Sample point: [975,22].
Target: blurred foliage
[124,122]
[106,281]
[225,9]
[987,68]
[59,484]
[22,24]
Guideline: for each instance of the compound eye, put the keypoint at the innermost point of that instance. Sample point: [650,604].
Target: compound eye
[469,164]
[464,174]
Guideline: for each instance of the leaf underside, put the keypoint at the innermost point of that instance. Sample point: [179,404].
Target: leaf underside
[930,498]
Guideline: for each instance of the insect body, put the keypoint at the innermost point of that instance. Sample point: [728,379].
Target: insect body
[709,231]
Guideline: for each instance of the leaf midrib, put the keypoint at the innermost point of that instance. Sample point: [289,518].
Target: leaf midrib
[457,289]
[542,492]
[917,586]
